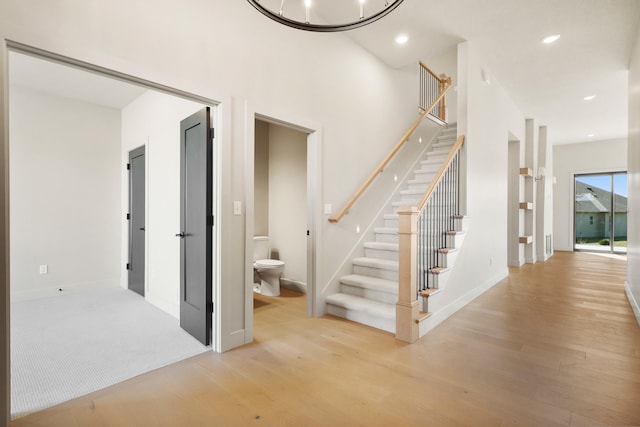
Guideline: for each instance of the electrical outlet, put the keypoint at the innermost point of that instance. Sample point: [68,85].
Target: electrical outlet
[44,269]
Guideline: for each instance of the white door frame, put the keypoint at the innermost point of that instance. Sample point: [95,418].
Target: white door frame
[218,118]
[314,155]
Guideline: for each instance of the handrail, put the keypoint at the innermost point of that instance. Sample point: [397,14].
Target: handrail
[336,218]
[440,173]
[430,71]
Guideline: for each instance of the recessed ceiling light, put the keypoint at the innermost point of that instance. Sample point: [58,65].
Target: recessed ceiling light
[589,98]
[591,135]
[551,39]
[402,39]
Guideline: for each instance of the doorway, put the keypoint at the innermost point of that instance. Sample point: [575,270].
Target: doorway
[600,212]
[280,203]
[312,227]
[136,217]
[82,190]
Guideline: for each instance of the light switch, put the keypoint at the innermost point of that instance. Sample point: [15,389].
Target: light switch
[44,269]
[237,207]
[328,209]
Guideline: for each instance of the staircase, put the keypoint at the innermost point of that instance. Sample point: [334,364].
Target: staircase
[369,295]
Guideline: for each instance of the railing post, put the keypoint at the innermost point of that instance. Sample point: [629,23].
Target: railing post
[407,309]
[443,103]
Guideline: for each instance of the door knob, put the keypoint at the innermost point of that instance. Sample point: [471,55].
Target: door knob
[181,235]
[141,228]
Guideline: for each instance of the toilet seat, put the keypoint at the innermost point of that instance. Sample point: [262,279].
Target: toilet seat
[268,263]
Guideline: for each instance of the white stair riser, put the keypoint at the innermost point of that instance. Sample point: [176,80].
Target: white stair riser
[438,281]
[381,254]
[455,241]
[462,224]
[392,223]
[427,172]
[386,238]
[371,294]
[433,303]
[447,259]
[375,272]
[388,325]
[422,187]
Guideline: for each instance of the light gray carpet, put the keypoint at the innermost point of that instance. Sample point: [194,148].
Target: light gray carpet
[72,344]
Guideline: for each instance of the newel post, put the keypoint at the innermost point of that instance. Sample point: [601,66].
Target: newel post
[407,309]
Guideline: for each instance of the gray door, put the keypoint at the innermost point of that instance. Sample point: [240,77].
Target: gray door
[196,221]
[136,217]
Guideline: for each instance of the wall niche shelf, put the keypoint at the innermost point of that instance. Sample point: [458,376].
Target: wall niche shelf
[525,239]
[527,172]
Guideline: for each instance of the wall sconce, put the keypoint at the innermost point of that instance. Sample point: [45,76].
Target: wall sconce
[542,173]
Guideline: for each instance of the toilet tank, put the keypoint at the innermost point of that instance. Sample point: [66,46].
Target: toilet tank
[260,247]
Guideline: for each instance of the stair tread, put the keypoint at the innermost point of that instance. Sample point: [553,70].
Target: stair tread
[438,270]
[386,230]
[447,250]
[369,282]
[423,315]
[352,302]
[426,293]
[383,264]
[382,246]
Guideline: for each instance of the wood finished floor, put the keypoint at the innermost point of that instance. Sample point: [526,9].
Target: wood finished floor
[554,344]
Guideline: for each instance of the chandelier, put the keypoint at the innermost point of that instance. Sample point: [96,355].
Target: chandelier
[341,15]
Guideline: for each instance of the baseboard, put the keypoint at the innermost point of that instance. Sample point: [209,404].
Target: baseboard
[293,285]
[446,311]
[233,340]
[31,294]
[633,301]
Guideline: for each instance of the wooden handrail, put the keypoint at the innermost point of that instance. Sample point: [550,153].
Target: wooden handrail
[442,78]
[392,153]
[427,194]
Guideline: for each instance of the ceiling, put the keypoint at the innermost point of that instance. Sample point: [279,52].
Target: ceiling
[547,82]
[68,82]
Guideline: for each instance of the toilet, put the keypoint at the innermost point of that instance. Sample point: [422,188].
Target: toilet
[269,271]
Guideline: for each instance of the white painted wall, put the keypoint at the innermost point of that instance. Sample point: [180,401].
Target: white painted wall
[572,159]
[633,171]
[489,119]
[65,194]
[545,186]
[319,78]
[288,199]
[153,120]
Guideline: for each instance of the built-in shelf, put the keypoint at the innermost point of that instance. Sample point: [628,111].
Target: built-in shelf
[526,205]
[525,239]
[526,172]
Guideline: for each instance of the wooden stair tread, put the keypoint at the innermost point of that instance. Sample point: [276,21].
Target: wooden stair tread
[438,270]
[426,293]
[423,315]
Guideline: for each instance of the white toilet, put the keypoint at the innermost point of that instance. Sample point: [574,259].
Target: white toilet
[269,271]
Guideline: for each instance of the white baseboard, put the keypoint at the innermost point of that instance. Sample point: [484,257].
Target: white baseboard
[446,311]
[233,340]
[633,301]
[293,285]
[31,294]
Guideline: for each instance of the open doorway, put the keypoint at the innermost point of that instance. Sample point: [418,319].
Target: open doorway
[280,220]
[70,240]
[600,212]
[283,192]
